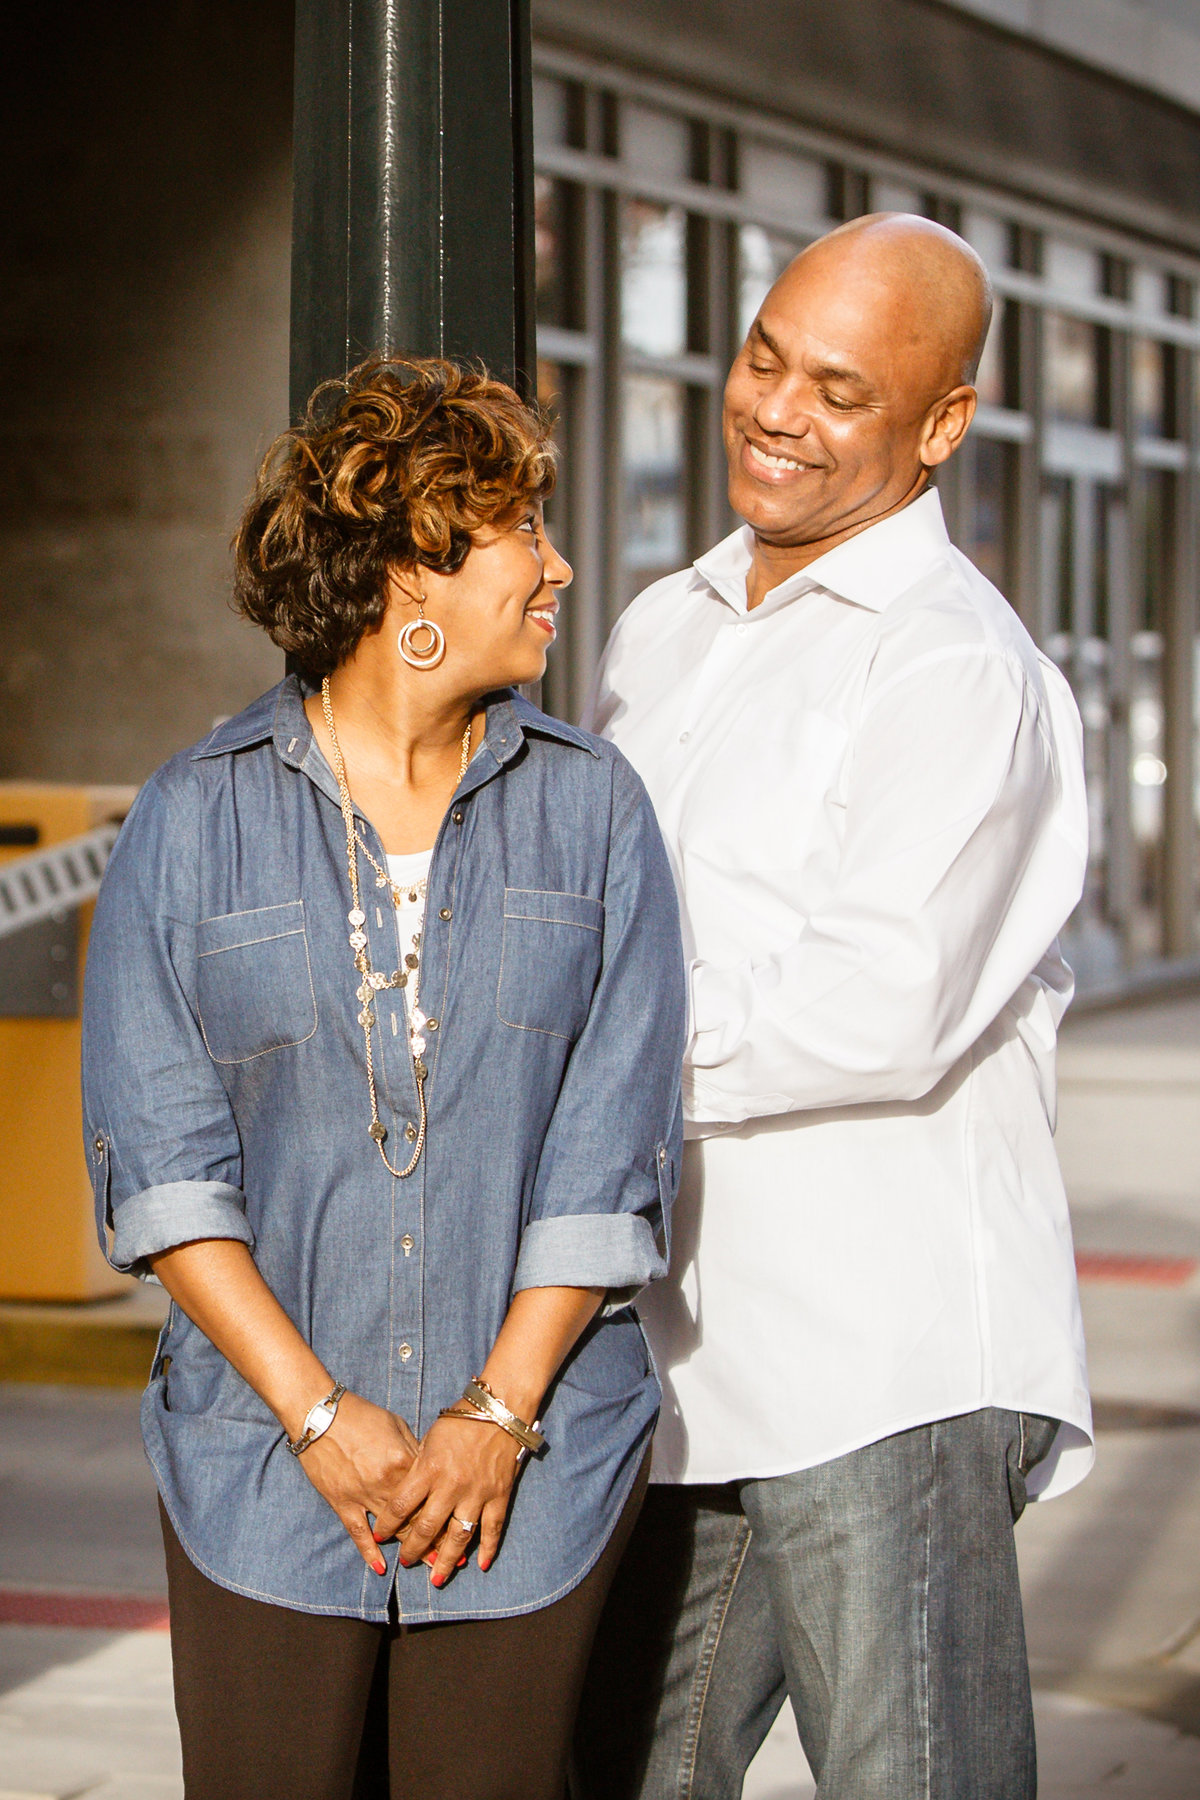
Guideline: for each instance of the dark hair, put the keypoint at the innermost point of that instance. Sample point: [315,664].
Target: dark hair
[393,467]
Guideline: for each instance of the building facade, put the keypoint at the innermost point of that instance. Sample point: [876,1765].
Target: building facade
[685,153]
[685,150]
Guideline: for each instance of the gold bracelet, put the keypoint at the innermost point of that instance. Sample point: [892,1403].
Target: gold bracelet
[478,1395]
[456,1412]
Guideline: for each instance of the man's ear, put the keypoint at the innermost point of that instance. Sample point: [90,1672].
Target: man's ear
[946,425]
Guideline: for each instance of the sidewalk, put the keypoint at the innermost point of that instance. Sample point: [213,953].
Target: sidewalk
[1112,1570]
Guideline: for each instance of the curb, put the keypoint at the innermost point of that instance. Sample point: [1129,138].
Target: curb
[84,1348]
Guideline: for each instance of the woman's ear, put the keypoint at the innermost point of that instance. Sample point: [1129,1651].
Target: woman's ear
[403,586]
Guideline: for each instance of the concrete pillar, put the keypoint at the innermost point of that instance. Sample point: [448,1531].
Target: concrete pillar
[145,158]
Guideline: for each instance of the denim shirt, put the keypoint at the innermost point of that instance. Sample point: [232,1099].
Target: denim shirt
[225,1095]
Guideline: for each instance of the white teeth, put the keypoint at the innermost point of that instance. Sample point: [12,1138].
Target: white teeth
[773,462]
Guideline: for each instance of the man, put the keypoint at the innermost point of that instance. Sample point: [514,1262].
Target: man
[871,786]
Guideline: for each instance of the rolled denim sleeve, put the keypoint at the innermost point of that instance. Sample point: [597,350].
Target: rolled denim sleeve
[160,1136]
[609,1167]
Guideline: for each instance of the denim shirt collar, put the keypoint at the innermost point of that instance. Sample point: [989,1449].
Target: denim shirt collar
[280,716]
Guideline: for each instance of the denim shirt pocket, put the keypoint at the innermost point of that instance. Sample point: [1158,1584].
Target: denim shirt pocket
[254,987]
[549,961]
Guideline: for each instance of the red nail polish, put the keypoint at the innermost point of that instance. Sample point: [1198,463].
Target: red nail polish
[381,1568]
[438,1580]
[462,1562]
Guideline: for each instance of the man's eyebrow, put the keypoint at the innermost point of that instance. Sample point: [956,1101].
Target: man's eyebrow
[759,329]
[838,372]
[822,372]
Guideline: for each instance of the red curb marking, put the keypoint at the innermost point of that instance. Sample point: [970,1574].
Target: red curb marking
[89,1612]
[1144,1271]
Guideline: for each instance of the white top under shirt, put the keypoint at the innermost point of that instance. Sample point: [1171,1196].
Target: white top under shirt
[406,872]
[871,787]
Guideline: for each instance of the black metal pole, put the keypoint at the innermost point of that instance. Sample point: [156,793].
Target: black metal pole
[413,208]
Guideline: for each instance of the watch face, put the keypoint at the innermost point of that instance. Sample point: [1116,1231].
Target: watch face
[320,1418]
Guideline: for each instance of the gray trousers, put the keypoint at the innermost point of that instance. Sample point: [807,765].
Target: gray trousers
[878,1591]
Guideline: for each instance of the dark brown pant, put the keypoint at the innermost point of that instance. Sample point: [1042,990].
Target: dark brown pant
[282,1705]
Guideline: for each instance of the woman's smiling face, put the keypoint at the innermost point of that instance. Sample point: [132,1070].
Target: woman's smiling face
[498,610]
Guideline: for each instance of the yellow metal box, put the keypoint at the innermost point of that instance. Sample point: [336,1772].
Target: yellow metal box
[48,1248]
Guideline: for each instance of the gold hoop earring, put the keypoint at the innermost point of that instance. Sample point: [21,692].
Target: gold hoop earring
[416,656]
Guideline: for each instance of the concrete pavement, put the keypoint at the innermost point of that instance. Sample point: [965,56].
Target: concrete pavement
[1112,1571]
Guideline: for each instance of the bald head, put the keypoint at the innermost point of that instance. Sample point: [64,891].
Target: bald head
[921,286]
[854,381]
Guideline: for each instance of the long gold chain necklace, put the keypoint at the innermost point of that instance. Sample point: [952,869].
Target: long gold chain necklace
[373,981]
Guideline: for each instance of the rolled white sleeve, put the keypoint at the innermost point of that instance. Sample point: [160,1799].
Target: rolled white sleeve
[957,873]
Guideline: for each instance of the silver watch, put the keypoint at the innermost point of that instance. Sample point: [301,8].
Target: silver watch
[317,1421]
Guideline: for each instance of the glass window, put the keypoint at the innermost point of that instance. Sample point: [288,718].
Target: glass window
[1196,744]
[1181,297]
[549,110]
[992,379]
[1058,567]
[1094,939]
[550,383]
[1155,510]
[554,390]
[552,211]
[1073,388]
[654,536]
[993,488]
[1071,268]
[1152,373]
[658,142]
[894,196]
[762,256]
[991,236]
[653,278]
[781,182]
[1095,935]
[1150,291]
[846,192]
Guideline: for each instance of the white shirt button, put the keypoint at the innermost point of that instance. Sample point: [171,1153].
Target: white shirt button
[684,736]
[742,630]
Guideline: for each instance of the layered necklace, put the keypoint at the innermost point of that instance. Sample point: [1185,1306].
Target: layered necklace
[373,981]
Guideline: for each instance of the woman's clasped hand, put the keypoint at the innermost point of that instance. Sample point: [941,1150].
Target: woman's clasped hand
[460,1483]
[434,1497]
[358,1465]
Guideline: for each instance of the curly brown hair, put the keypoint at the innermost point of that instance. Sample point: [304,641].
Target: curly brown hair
[395,466]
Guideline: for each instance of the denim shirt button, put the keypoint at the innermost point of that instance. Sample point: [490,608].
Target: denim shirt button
[98,1146]
[432,1024]
[444,913]
[410,1132]
[457,816]
[408,1243]
[404,1351]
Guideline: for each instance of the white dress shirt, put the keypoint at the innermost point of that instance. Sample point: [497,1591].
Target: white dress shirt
[871,787]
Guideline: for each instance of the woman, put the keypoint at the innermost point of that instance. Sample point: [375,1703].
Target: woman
[382,1037]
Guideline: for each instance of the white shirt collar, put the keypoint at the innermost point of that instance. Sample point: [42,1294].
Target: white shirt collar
[869,570]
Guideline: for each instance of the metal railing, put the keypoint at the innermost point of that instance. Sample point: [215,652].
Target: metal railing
[49,881]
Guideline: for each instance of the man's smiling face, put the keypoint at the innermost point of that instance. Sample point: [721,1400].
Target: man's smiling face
[829,406]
